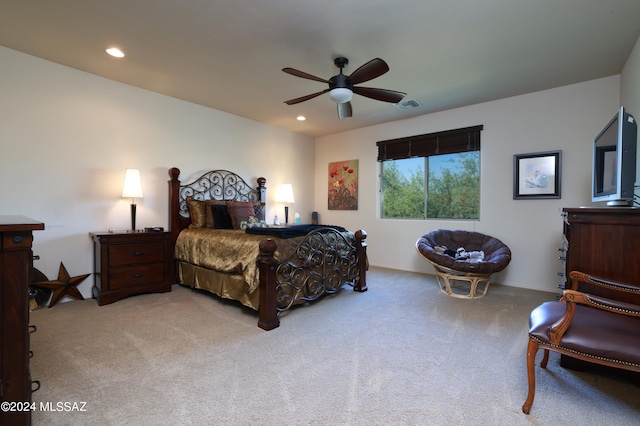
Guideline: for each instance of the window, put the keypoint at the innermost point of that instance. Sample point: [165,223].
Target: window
[436,175]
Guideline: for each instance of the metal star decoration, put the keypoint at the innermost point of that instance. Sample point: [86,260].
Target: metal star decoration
[63,286]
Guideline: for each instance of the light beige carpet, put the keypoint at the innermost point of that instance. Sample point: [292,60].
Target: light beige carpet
[401,354]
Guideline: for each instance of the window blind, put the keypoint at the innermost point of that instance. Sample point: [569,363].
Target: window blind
[446,142]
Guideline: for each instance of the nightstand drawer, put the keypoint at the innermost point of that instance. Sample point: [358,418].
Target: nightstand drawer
[134,254]
[136,276]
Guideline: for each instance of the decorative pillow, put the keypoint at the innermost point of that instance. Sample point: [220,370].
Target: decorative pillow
[221,218]
[209,222]
[196,212]
[239,211]
[253,222]
[258,210]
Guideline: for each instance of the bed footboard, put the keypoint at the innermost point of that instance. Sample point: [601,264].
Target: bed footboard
[322,263]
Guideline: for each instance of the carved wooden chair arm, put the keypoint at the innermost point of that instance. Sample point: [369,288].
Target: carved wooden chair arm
[572,298]
[576,277]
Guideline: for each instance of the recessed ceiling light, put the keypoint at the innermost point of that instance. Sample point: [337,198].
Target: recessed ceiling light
[114,51]
[301,118]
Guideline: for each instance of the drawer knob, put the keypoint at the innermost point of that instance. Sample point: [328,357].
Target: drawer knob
[137,275]
[138,253]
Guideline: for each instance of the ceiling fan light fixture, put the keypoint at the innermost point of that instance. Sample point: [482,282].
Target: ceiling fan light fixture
[342,87]
[340,95]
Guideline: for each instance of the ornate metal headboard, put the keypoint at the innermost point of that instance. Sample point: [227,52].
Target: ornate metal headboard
[213,185]
[220,185]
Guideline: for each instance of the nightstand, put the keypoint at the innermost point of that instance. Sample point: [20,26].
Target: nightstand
[132,263]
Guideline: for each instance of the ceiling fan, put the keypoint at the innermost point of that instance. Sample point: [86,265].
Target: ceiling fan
[342,87]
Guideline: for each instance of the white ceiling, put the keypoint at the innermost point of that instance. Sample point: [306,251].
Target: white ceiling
[229,54]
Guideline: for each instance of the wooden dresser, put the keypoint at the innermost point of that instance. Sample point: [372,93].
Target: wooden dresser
[126,264]
[16,266]
[604,242]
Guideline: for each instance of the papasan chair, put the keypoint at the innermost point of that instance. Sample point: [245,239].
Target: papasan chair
[464,260]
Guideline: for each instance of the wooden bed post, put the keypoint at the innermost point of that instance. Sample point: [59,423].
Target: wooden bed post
[262,190]
[267,312]
[174,226]
[361,235]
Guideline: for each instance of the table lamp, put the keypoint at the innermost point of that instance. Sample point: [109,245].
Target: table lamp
[132,189]
[285,195]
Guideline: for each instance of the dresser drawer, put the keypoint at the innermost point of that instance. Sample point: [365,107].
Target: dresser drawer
[133,276]
[135,254]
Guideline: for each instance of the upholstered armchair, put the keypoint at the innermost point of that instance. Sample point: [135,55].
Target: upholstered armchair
[591,328]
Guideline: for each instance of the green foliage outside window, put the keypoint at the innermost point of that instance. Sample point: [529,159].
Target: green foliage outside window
[451,189]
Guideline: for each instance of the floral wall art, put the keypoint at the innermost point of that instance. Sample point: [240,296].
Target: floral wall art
[343,185]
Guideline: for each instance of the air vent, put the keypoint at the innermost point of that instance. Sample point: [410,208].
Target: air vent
[408,104]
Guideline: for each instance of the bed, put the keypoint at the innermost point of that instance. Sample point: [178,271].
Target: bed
[222,244]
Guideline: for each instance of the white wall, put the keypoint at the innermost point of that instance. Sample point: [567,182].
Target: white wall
[565,118]
[67,137]
[630,94]
[630,82]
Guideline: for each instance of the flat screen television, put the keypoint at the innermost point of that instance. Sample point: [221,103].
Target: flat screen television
[614,161]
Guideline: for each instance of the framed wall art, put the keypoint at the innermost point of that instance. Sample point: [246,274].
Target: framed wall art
[537,175]
[343,185]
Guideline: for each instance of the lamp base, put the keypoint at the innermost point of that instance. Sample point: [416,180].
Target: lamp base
[286,215]
[133,217]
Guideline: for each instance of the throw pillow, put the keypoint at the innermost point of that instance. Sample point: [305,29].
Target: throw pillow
[221,218]
[209,222]
[253,222]
[239,211]
[258,210]
[196,212]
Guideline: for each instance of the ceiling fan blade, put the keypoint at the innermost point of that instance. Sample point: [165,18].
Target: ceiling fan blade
[301,74]
[305,98]
[344,110]
[372,69]
[380,94]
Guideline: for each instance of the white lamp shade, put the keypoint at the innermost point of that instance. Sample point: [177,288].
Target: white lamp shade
[340,95]
[285,193]
[132,186]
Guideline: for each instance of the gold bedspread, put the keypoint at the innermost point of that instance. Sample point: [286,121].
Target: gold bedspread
[229,251]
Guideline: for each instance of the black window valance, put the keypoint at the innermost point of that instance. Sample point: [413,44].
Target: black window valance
[446,142]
